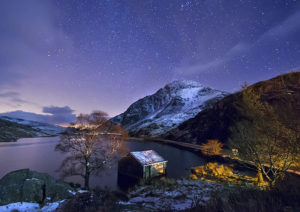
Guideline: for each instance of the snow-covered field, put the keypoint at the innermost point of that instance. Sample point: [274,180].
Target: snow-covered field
[35,207]
[30,207]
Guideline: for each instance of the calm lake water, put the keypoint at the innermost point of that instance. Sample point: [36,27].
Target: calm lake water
[38,154]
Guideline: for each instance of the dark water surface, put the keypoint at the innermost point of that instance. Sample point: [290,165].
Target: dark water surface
[38,154]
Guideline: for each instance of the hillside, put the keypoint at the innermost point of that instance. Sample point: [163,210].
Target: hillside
[12,129]
[281,92]
[170,106]
[63,117]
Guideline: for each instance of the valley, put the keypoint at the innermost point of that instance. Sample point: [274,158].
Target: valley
[148,105]
[176,122]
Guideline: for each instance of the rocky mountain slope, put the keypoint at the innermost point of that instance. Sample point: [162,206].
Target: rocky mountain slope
[282,93]
[12,129]
[170,106]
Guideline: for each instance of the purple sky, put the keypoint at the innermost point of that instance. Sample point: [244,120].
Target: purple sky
[101,54]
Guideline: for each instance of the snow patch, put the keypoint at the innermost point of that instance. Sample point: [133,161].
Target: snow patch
[30,207]
[72,192]
[35,179]
[180,196]
[76,192]
[147,157]
[82,191]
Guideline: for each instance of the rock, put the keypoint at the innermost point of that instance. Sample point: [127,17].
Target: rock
[33,190]
[29,186]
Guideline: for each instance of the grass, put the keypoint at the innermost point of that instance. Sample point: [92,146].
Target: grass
[285,196]
[213,172]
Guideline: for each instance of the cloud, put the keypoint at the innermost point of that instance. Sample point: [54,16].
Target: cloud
[285,28]
[205,67]
[14,98]
[9,94]
[282,29]
[60,114]
[58,110]
[29,32]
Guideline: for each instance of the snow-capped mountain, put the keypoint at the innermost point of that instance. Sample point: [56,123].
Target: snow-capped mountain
[167,108]
[41,129]
[281,93]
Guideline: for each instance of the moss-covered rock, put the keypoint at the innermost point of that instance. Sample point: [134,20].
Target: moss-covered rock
[29,186]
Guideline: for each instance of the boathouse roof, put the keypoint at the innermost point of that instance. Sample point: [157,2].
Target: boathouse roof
[147,157]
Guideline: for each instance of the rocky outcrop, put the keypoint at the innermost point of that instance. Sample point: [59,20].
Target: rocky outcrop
[29,186]
[170,106]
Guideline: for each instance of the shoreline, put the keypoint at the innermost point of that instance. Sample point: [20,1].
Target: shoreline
[223,158]
[195,148]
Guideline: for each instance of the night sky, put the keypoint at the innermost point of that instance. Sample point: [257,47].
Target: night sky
[106,54]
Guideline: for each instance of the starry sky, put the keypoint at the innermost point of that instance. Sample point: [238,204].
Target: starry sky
[82,55]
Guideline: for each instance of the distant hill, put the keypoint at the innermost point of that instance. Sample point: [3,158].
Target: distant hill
[281,92]
[19,114]
[12,129]
[42,118]
[167,108]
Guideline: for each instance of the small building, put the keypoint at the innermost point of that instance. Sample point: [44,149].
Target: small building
[142,165]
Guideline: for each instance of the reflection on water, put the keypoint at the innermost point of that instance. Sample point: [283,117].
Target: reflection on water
[38,154]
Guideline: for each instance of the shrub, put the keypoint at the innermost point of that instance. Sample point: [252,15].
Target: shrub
[212,147]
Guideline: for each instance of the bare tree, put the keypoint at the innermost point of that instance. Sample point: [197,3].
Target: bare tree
[263,139]
[92,143]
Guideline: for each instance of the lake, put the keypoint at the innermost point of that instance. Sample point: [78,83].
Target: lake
[38,154]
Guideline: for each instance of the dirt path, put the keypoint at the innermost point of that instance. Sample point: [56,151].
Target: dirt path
[194,147]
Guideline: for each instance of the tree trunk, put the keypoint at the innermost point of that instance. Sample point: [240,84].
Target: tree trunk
[260,178]
[87,178]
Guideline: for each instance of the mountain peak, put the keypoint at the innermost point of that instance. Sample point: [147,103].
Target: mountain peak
[280,93]
[167,108]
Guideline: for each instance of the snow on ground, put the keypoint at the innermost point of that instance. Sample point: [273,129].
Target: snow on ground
[30,207]
[182,195]
[79,191]
[34,207]
[32,179]
[82,191]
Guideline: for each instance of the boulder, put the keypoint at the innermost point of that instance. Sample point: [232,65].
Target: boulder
[26,185]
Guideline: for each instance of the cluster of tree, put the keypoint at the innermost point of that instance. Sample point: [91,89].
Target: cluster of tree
[265,139]
[92,143]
